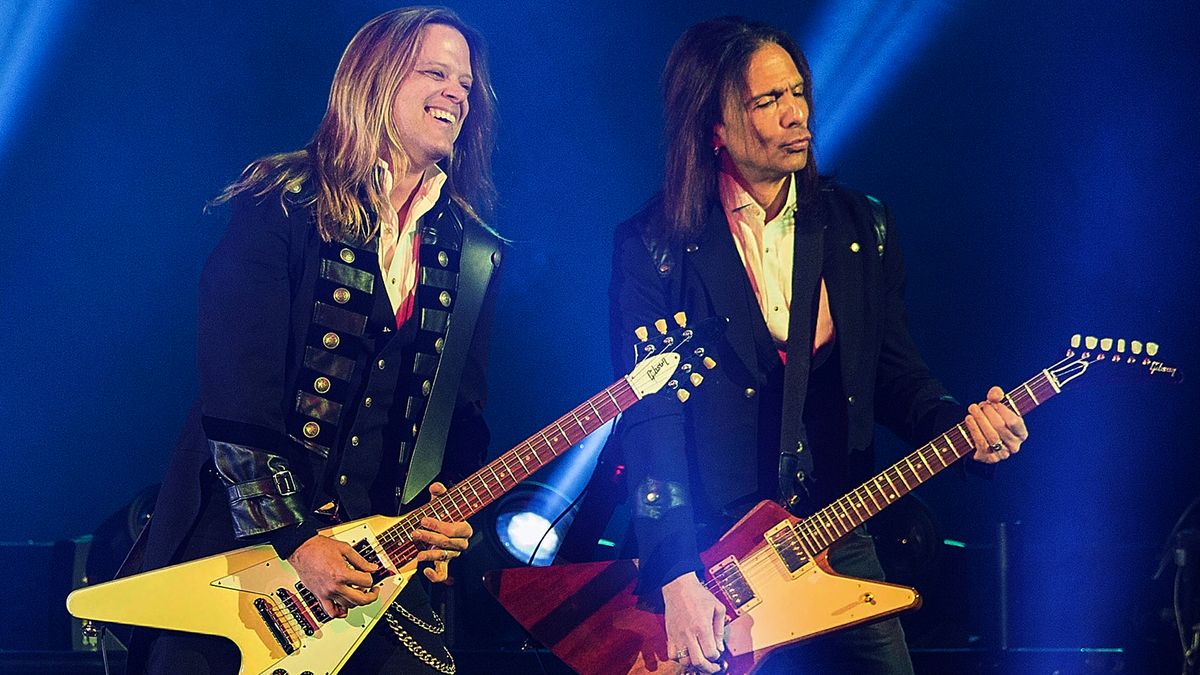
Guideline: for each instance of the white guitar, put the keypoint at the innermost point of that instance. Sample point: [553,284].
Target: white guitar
[255,599]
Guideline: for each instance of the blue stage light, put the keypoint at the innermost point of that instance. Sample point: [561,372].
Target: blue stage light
[531,521]
[26,30]
[857,50]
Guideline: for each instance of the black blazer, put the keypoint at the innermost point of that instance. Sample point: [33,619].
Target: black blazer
[255,323]
[719,453]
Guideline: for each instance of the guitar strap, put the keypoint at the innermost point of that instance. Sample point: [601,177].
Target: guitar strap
[480,257]
[795,459]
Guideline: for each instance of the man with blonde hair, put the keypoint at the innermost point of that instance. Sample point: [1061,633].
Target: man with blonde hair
[343,328]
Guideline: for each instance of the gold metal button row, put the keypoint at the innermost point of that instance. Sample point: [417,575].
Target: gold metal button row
[321,385]
[443,259]
[311,429]
[346,255]
[331,340]
[341,296]
[444,298]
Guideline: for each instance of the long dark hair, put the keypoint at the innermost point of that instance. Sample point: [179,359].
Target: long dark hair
[707,64]
[341,160]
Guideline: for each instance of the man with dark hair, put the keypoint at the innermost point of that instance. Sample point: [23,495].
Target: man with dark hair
[344,323]
[817,351]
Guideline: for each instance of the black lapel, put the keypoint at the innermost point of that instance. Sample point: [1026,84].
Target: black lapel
[843,274]
[717,263]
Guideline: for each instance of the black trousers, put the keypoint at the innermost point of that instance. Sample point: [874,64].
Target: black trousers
[873,649]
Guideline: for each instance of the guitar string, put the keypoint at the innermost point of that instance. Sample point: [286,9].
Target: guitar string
[1015,399]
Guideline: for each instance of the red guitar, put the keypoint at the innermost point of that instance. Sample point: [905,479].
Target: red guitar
[771,569]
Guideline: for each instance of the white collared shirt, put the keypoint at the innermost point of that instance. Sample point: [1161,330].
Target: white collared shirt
[766,248]
[397,257]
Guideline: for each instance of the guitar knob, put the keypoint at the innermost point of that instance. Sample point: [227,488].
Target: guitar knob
[681,319]
[709,363]
[641,333]
[683,395]
[661,326]
[696,379]
[1151,348]
[1090,342]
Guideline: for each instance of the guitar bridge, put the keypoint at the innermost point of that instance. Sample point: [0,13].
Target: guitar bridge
[733,584]
[786,542]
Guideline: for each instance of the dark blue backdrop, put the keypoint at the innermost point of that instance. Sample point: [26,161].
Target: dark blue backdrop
[1041,160]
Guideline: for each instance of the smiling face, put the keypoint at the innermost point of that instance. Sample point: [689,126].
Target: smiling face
[764,128]
[431,101]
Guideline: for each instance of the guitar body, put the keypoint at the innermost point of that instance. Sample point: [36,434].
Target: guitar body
[227,595]
[588,615]
[771,569]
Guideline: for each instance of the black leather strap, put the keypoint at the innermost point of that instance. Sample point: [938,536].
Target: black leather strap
[795,458]
[480,257]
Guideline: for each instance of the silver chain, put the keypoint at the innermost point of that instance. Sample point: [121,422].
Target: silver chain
[446,667]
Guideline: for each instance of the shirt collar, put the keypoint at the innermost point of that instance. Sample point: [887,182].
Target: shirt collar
[734,197]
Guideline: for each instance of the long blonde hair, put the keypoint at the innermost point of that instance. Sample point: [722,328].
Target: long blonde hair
[341,160]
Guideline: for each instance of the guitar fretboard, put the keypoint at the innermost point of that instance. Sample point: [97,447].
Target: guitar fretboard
[492,481]
[823,528]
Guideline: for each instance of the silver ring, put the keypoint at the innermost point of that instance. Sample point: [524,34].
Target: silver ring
[996,447]
[681,654]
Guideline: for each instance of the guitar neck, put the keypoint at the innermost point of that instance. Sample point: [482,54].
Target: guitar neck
[836,520]
[491,482]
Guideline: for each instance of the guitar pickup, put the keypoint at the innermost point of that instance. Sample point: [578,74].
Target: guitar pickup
[786,543]
[734,586]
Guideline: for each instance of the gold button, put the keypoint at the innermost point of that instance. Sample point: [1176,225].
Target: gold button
[346,255]
[342,480]
[311,429]
[331,340]
[443,259]
[367,402]
[438,344]
[749,392]
[444,298]
[321,384]
[854,247]
[651,497]
[341,296]
[354,441]
[426,386]
[381,363]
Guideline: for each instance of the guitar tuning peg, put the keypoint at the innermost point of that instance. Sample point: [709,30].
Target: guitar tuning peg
[1090,341]
[661,326]
[1135,346]
[641,333]
[1121,345]
[680,319]
[1106,344]
[683,395]
[1075,341]
[709,363]
[1151,348]
[695,379]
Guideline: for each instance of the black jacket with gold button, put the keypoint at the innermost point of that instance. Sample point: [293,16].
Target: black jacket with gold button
[718,454]
[308,391]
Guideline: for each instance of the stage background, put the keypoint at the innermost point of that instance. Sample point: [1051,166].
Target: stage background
[1041,161]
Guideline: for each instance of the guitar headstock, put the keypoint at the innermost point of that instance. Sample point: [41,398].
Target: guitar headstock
[674,357]
[1115,357]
